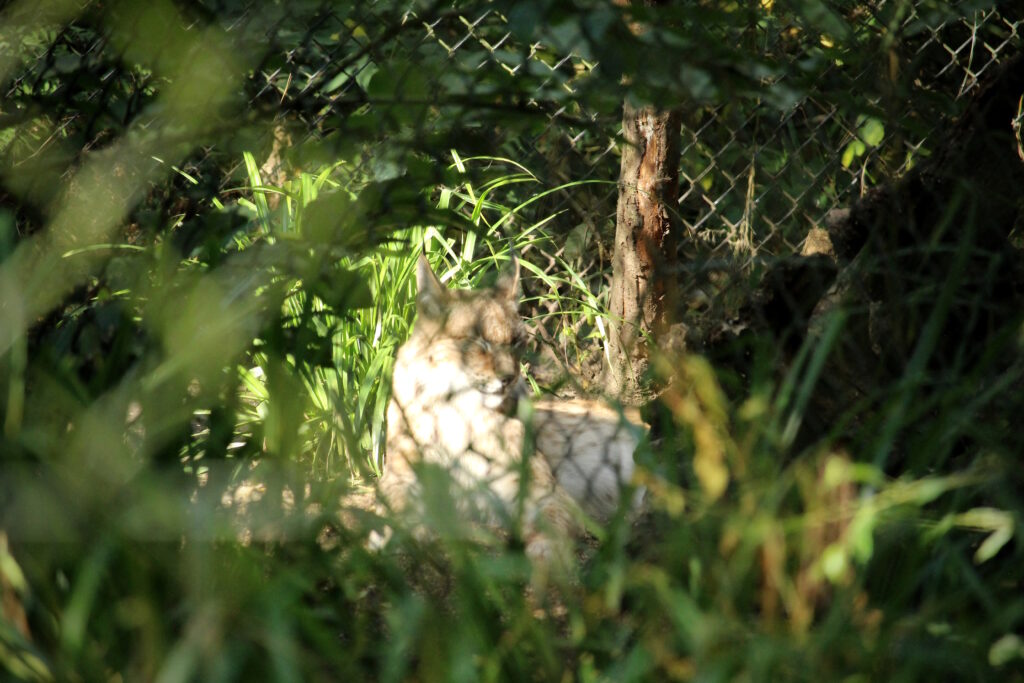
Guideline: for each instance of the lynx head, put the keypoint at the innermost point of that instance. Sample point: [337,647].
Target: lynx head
[472,341]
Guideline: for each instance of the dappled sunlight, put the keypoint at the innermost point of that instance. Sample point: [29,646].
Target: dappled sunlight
[510,341]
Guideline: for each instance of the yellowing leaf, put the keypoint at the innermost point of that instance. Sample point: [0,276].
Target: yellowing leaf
[663,495]
[709,465]
[707,417]
[835,562]
[852,151]
[702,407]
[999,522]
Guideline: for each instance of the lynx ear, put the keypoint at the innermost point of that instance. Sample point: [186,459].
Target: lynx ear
[508,282]
[431,295]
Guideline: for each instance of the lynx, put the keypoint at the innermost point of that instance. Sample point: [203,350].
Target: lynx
[455,389]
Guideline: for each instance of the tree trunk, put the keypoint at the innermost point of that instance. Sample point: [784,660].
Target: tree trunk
[645,244]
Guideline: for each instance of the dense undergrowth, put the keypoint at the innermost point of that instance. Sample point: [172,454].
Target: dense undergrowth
[763,556]
[195,358]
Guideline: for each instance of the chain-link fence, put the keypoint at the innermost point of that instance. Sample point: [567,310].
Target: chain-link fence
[756,175]
[392,95]
[210,212]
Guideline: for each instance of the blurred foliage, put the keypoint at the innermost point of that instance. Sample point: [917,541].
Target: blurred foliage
[209,213]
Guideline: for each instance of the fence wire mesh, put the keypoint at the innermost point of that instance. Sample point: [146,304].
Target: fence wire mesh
[367,89]
[206,305]
[753,175]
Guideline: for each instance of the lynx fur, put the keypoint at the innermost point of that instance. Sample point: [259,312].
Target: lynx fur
[455,389]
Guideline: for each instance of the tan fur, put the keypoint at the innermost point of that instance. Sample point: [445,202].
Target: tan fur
[454,390]
[589,446]
[454,385]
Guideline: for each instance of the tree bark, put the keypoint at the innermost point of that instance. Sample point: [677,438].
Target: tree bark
[645,244]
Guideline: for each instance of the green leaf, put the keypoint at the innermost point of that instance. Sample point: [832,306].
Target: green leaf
[328,219]
[999,522]
[853,150]
[1006,649]
[818,15]
[861,533]
[872,132]
[834,562]
[344,289]
[524,18]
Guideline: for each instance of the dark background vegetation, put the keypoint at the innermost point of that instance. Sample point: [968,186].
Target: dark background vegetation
[209,215]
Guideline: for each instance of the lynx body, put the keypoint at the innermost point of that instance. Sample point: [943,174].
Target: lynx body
[455,388]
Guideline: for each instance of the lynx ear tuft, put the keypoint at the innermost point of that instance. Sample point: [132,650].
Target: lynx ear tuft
[431,295]
[508,282]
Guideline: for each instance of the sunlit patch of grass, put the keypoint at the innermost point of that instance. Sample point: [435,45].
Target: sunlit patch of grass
[345,399]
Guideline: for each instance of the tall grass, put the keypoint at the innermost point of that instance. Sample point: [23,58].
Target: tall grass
[346,399]
[763,556]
